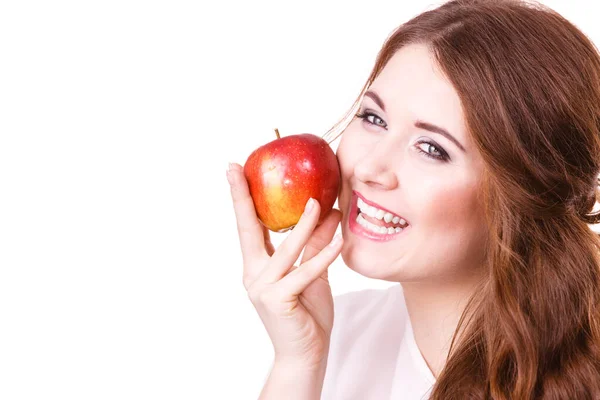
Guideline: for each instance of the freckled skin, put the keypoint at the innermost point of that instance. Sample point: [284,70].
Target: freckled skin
[283,174]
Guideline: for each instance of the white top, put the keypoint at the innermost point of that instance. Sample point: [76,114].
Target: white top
[373,353]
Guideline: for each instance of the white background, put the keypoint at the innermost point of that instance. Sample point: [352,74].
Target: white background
[120,271]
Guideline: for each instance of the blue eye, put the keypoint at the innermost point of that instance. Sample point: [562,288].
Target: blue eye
[366,115]
[438,153]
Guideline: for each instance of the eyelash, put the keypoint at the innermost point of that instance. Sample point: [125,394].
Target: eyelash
[443,155]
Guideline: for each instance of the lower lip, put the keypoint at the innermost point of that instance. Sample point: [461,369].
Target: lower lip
[359,230]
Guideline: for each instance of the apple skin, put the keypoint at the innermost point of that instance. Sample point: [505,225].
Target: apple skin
[283,174]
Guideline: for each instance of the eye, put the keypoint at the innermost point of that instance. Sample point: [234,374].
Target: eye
[365,115]
[432,150]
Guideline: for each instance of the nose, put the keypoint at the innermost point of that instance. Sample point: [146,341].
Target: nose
[376,167]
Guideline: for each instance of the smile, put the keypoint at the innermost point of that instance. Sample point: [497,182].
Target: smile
[369,220]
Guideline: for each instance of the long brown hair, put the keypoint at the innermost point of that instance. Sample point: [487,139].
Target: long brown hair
[529,83]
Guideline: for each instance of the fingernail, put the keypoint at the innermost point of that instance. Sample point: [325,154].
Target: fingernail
[229,174]
[336,240]
[310,204]
[229,166]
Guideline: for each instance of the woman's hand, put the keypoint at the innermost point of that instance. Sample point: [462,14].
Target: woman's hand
[295,304]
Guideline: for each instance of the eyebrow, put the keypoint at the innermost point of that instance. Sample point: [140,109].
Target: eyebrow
[419,124]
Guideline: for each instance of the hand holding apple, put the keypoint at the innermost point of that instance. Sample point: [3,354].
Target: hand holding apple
[283,174]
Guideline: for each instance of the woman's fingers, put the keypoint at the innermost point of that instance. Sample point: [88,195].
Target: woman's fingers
[250,230]
[322,235]
[268,245]
[300,278]
[289,250]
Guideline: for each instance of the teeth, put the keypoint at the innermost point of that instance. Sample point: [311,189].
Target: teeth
[362,221]
[388,217]
[379,214]
[375,228]
[371,211]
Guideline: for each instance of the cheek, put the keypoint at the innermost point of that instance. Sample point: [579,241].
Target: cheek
[450,223]
[450,205]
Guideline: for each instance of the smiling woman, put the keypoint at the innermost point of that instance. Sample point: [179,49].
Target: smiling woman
[498,243]
[469,167]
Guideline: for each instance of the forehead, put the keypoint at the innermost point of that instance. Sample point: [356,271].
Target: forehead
[412,86]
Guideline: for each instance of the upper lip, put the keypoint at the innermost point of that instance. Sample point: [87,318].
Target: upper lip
[372,203]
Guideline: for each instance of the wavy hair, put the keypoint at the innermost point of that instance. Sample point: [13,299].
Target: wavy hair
[529,83]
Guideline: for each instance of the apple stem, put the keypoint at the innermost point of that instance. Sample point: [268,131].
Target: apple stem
[277,133]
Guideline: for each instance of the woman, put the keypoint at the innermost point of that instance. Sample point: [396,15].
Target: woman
[478,132]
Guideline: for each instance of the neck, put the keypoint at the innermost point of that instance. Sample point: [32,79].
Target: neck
[435,310]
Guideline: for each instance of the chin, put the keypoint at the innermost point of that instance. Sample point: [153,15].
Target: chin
[365,264]
[362,263]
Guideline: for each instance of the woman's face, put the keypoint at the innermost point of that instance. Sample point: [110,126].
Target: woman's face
[396,166]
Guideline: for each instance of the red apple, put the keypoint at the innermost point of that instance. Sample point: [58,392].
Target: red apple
[283,174]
